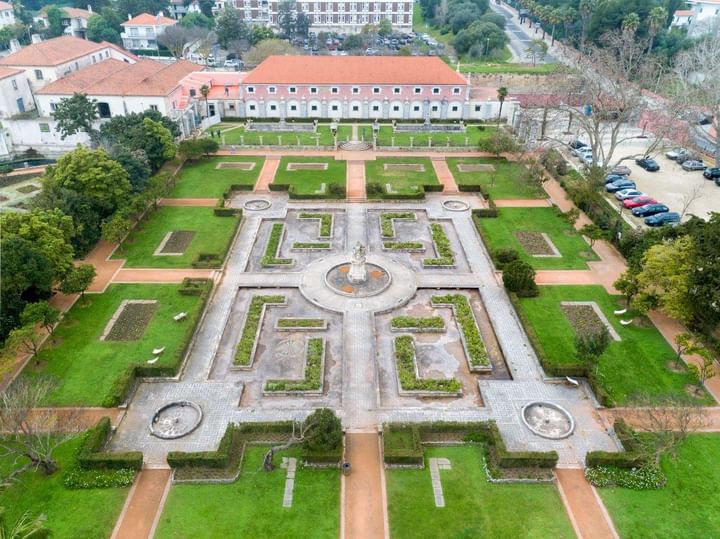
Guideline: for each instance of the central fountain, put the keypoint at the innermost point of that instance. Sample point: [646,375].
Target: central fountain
[358,278]
[358,270]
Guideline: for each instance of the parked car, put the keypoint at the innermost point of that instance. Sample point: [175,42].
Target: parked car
[661,219]
[621,170]
[588,161]
[233,64]
[675,153]
[648,164]
[639,201]
[649,209]
[693,165]
[628,193]
[712,173]
[581,152]
[610,178]
[210,61]
[575,144]
[619,185]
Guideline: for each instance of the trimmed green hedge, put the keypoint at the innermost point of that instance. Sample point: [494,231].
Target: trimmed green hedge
[387,227]
[270,257]
[326,222]
[195,286]
[326,458]
[468,325]
[402,245]
[630,458]
[226,212]
[446,256]
[313,371]
[405,361]
[301,323]
[92,457]
[416,322]
[252,321]
[401,445]
[311,245]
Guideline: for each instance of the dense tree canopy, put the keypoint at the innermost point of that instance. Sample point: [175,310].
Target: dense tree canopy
[75,114]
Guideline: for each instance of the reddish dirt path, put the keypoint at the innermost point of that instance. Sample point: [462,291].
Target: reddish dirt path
[161,275]
[585,508]
[355,181]
[267,174]
[443,173]
[203,202]
[72,419]
[143,505]
[105,268]
[364,512]
[635,418]
[523,203]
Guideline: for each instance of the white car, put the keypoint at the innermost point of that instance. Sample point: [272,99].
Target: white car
[234,64]
[579,152]
[628,193]
[587,159]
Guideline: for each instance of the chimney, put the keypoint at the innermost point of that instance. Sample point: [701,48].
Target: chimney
[90,8]
[129,17]
[14,45]
[35,38]
[160,15]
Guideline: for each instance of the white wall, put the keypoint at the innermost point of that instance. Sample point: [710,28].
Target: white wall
[7,18]
[40,135]
[119,105]
[9,95]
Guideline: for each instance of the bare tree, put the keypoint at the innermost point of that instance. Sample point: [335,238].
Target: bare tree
[689,198]
[176,37]
[698,92]
[299,431]
[33,433]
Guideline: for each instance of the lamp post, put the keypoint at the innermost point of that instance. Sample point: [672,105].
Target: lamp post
[487,46]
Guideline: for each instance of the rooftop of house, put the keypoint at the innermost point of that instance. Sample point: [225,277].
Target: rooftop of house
[684,13]
[71,12]
[6,72]
[5,6]
[218,81]
[115,77]
[57,51]
[354,70]
[145,19]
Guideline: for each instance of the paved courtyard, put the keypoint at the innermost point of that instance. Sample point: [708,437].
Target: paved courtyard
[359,375]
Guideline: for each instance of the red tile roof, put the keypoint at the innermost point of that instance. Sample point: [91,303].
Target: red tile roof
[684,13]
[145,19]
[354,70]
[115,77]
[71,12]
[56,51]
[6,72]
[5,5]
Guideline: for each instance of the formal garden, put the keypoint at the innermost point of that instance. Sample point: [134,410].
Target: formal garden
[542,237]
[638,362]
[400,177]
[210,177]
[496,176]
[237,134]
[311,177]
[472,136]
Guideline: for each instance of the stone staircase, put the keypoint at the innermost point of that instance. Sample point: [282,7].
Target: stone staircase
[355,146]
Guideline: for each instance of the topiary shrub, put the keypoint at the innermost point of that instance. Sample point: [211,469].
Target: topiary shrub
[324,431]
[504,257]
[519,277]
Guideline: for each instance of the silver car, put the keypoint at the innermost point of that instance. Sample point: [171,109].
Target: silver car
[628,193]
[693,165]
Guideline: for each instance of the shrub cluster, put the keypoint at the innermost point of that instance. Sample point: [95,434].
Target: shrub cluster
[446,256]
[644,478]
[503,257]
[416,322]
[92,457]
[243,353]
[519,277]
[387,227]
[405,361]
[313,371]
[465,317]
[273,246]
[78,478]
[326,222]
[403,245]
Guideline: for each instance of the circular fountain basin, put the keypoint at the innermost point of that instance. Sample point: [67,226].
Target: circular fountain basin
[456,205]
[175,420]
[257,204]
[547,420]
[378,279]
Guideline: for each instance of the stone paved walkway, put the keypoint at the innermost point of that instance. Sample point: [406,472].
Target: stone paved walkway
[364,506]
[267,174]
[444,175]
[144,504]
[584,506]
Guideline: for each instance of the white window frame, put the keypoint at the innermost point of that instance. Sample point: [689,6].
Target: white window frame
[376,90]
[334,90]
[417,90]
[456,91]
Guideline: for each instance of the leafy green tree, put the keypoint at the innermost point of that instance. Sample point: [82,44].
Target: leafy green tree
[664,281]
[590,345]
[286,17]
[55,16]
[135,163]
[78,280]
[94,174]
[49,231]
[323,431]
[656,22]
[25,340]
[75,114]
[519,277]
[195,148]
[384,28]
[593,233]
[353,42]
[631,23]
[462,16]
[268,47]
[135,7]
[480,38]
[686,343]
[116,228]
[229,27]
[537,50]
[100,29]
[502,93]
[197,19]
[302,24]
[40,313]
[260,33]
[10,32]
[627,285]
[500,142]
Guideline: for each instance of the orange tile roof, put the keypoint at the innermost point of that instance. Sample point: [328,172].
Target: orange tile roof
[55,52]
[72,12]
[5,5]
[145,19]
[354,70]
[115,77]
[684,13]
[6,72]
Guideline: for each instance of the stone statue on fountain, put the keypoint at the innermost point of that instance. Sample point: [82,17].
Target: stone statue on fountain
[358,271]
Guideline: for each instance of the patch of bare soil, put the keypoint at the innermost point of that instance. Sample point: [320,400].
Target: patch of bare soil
[533,243]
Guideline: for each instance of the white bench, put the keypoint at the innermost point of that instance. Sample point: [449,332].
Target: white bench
[180,316]
[626,322]
[621,311]
[158,351]
[572,381]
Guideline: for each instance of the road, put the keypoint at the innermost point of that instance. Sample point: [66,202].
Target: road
[520,35]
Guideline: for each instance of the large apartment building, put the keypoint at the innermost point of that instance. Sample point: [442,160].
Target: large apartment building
[328,16]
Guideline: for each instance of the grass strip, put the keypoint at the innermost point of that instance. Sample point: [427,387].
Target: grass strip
[387,227]
[403,245]
[301,323]
[326,222]
[416,322]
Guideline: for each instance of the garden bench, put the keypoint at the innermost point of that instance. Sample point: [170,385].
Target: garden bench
[180,316]
[621,311]
[572,381]
[626,322]
[153,360]
[158,351]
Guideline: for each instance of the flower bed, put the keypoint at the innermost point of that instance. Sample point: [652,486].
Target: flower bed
[415,246]
[311,246]
[472,340]
[313,380]
[647,477]
[408,375]
[446,256]
[270,258]
[387,226]
[246,347]
[130,323]
[534,243]
[583,318]
[301,323]
[177,242]
[326,222]
[418,324]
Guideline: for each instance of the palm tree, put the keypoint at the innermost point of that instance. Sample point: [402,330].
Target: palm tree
[502,93]
[569,15]
[205,91]
[555,17]
[25,527]
[657,19]
[631,23]
[586,8]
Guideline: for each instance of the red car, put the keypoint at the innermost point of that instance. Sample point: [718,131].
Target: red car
[636,202]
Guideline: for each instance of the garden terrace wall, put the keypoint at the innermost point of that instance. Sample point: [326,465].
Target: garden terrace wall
[92,457]
[630,458]
[402,456]
[125,383]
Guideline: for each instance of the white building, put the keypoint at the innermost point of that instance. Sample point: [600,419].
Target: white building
[700,18]
[179,8]
[74,20]
[141,32]
[339,16]
[7,14]
[47,61]
[15,91]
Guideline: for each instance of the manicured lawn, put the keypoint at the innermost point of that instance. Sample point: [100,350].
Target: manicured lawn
[270,138]
[252,506]
[202,178]
[634,365]
[508,181]
[474,134]
[688,506]
[402,181]
[86,513]
[84,367]
[500,233]
[515,69]
[307,182]
[473,507]
[212,235]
